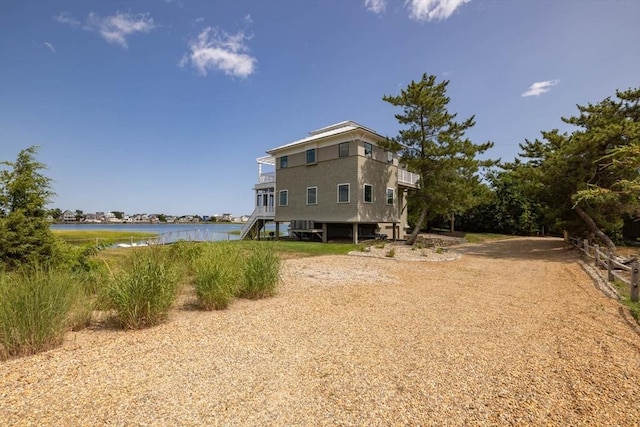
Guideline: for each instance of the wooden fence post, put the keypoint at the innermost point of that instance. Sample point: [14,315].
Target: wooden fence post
[610,276]
[635,277]
[596,250]
[585,246]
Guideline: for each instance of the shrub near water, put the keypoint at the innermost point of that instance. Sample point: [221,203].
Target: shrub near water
[218,273]
[37,306]
[144,290]
[261,273]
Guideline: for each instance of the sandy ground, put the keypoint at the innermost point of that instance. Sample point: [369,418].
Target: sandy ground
[512,332]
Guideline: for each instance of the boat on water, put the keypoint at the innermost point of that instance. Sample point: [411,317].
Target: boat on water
[131,245]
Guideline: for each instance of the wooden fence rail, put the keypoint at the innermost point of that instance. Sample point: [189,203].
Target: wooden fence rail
[629,274]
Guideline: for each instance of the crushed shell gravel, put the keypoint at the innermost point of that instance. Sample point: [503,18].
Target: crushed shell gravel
[512,332]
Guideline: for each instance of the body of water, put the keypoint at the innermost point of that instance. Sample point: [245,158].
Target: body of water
[168,232]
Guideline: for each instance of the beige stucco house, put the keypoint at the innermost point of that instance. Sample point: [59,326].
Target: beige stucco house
[337,183]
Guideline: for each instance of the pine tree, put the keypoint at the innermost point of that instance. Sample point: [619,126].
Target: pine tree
[590,179]
[24,192]
[433,145]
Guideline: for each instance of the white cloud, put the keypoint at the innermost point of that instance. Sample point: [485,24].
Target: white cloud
[432,10]
[66,18]
[539,88]
[216,50]
[375,6]
[115,28]
[248,19]
[50,46]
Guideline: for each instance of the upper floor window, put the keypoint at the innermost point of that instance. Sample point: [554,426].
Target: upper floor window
[284,162]
[343,193]
[343,149]
[389,157]
[283,197]
[368,149]
[390,196]
[312,195]
[311,155]
[368,193]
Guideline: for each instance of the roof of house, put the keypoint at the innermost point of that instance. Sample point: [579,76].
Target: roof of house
[325,132]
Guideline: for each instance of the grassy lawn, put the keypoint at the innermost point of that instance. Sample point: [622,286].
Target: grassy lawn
[82,237]
[484,237]
[625,292]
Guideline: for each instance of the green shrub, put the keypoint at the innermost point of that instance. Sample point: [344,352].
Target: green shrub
[37,306]
[144,289]
[390,253]
[261,272]
[218,272]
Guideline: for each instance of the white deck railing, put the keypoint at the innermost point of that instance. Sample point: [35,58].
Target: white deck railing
[408,178]
[267,177]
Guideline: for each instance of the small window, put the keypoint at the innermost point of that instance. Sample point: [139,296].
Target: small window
[368,149]
[390,196]
[311,155]
[368,193]
[284,197]
[312,195]
[343,149]
[343,193]
[389,157]
[284,162]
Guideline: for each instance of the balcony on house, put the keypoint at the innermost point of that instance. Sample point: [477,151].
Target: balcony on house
[408,179]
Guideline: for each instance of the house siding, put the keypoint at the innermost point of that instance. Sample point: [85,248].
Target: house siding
[330,170]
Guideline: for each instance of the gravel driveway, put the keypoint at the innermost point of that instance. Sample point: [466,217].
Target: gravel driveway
[511,333]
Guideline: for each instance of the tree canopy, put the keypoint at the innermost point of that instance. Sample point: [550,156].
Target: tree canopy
[590,178]
[433,145]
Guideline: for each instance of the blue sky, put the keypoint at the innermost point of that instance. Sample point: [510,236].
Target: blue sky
[162,106]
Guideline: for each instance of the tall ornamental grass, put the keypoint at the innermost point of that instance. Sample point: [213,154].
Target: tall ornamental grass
[261,272]
[185,255]
[37,306]
[143,291]
[218,273]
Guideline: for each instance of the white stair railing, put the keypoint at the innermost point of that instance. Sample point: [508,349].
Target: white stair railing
[260,212]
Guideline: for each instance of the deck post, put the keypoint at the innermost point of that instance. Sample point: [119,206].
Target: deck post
[394,232]
[355,233]
[324,232]
[277,230]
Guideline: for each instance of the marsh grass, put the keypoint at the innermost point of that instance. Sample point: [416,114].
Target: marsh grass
[37,306]
[261,272]
[144,289]
[218,274]
[84,237]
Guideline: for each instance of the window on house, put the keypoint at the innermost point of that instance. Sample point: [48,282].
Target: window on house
[390,196]
[368,149]
[283,197]
[311,155]
[343,193]
[312,195]
[284,162]
[389,157]
[343,149]
[368,193]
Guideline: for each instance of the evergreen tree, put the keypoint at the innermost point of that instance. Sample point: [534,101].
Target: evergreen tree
[589,179]
[24,192]
[433,145]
